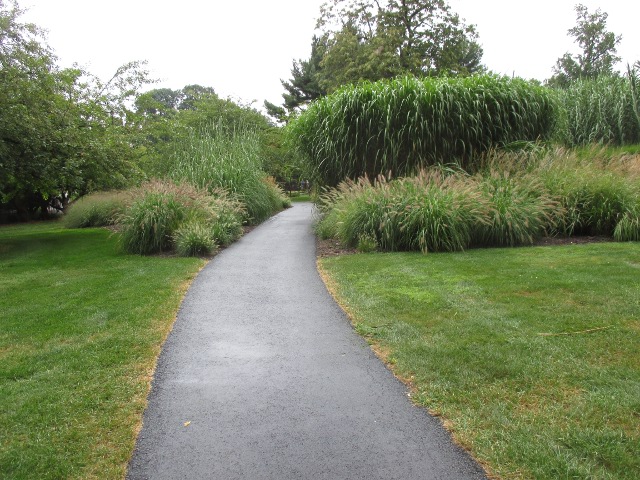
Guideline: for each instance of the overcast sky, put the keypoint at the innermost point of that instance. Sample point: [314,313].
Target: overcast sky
[243,48]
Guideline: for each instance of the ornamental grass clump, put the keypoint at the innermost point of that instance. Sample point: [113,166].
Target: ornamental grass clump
[194,239]
[520,210]
[438,212]
[433,211]
[628,228]
[407,124]
[159,210]
[99,209]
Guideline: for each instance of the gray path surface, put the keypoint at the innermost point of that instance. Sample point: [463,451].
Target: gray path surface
[275,382]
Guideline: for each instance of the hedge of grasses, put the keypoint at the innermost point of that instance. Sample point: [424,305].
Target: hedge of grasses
[217,157]
[603,110]
[515,199]
[406,124]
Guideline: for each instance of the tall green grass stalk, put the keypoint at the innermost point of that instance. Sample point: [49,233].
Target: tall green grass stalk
[404,125]
[602,110]
[217,157]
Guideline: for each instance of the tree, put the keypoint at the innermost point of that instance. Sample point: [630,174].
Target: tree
[62,132]
[386,39]
[376,39]
[598,49]
[304,85]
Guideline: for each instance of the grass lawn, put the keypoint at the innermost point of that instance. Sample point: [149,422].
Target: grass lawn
[531,356]
[300,197]
[80,331]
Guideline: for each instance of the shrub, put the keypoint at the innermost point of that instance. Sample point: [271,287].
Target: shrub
[156,212]
[628,228]
[433,211]
[367,243]
[407,124]
[193,238]
[99,209]
[225,218]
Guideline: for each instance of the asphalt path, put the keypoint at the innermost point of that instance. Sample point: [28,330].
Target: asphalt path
[263,377]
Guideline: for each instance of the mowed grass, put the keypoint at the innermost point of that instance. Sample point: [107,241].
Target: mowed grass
[80,331]
[530,355]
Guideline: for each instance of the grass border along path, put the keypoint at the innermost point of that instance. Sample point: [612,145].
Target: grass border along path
[80,331]
[529,355]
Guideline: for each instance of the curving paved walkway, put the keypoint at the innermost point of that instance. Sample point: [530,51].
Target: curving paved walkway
[276,384]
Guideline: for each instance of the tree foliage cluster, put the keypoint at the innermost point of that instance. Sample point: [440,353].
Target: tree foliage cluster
[377,39]
[171,118]
[63,132]
[598,49]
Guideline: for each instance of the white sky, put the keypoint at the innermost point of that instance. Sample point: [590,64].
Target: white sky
[243,48]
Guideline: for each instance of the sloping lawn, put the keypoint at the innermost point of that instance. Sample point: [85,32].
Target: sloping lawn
[530,355]
[80,330]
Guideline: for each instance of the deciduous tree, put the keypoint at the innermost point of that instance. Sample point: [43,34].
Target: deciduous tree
[598,49]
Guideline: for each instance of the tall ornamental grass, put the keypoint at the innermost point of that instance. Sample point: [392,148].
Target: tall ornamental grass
[217,157]
[406,124]
[602,110]
[515,199]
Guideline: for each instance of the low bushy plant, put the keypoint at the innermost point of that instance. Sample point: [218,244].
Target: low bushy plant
[367,243]
[514,200]
[99,209]
[156,211]
[628,228]
[225,218]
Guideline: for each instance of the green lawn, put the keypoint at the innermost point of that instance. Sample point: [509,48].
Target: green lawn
[80,330]
[531,356]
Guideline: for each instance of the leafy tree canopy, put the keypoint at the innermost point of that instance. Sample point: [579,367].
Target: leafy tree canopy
[63,132]
[598,49]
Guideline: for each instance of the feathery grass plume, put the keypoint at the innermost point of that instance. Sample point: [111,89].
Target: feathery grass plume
[434,211]
[438,212]
[601,110]
[219,157]
[406,124]
[224,217]
[99,209]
